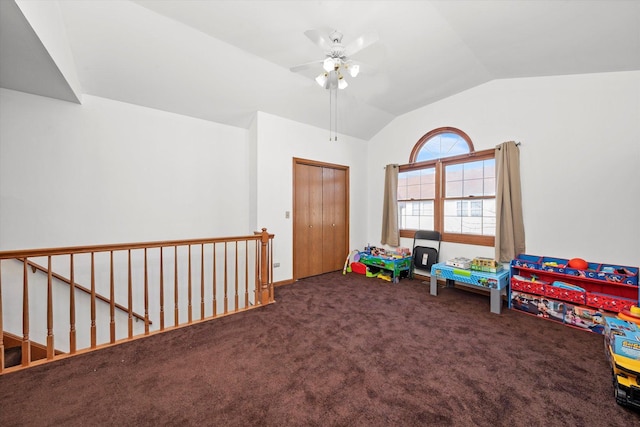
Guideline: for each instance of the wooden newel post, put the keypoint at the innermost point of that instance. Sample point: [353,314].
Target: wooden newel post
[264,269]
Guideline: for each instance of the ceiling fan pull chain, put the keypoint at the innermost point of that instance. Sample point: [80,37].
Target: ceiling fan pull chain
[330,115]
[335,132]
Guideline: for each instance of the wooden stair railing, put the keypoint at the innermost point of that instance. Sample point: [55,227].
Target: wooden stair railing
[235,275]
[38,267]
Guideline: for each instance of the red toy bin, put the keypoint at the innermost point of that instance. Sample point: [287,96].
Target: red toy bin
[577,297]
[609,302]
[527,286]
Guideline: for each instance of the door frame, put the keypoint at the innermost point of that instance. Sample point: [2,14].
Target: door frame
[307,162]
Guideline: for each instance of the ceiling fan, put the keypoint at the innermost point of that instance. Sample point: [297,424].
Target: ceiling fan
[338,57]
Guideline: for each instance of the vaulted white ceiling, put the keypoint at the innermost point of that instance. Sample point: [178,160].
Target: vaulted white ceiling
[224,60]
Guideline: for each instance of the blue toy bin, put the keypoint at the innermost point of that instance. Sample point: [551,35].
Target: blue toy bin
[557,265]
[527,261]
[619,273]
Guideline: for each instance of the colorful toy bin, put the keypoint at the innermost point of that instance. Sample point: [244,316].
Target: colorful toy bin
[606,272]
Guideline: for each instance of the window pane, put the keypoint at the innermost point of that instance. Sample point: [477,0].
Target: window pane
[452,224]
[470,179]
[453,189]
[442,145]
[416,215]
[473,187]
[473,170]
[472,225]
[417,185]
[490,168]
[413,192]
[489,186]
[402,192]
[489,217]
[470,216]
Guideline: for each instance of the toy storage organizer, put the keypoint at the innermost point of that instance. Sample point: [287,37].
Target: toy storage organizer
[548,288]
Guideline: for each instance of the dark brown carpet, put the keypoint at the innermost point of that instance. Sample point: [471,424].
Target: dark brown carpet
[335,351]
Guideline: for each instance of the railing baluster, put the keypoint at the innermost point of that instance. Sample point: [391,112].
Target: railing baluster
[129,295]
[202,281]
[93,302]
[1,325]
[161,288]
[50,348]
[26,344]
[236,299]
[226,287]
[256,276]
[246,274]
[112,301]
[146,294]
[215,271]
[72,307]
[176,316]
[189,309]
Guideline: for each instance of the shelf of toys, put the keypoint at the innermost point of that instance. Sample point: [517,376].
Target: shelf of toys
[574,292]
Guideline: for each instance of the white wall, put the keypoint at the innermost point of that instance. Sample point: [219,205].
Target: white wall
[279,141]
[579,156]
[110,172]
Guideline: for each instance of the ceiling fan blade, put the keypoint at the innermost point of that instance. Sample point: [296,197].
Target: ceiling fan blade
[360,43]
[306,66]
[319,38]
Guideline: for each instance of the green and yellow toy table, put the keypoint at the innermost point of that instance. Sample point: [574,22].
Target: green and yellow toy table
[393,265]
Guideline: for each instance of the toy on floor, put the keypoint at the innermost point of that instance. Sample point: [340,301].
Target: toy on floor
[353,256]
[358,267]
[631,315]
[622,347]
[385,277]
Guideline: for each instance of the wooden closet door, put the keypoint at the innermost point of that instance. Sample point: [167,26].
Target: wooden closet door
[308,220]
[334,245]
[320,217]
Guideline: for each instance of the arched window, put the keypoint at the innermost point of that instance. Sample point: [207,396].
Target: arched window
[449,187]
[440,143]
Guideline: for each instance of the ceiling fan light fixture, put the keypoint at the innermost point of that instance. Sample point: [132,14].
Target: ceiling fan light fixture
[328,65]
[342,83]
[322,79]
[354,70]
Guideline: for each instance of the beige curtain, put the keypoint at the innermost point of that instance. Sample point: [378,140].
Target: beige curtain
[390,231]
[510,239]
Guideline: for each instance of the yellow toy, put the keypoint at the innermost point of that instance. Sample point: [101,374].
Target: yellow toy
[632,315]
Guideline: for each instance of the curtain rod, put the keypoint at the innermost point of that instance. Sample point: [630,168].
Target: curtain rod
[517,145]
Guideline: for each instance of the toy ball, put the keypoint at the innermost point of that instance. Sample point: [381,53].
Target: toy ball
[578,263]
[635,310]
